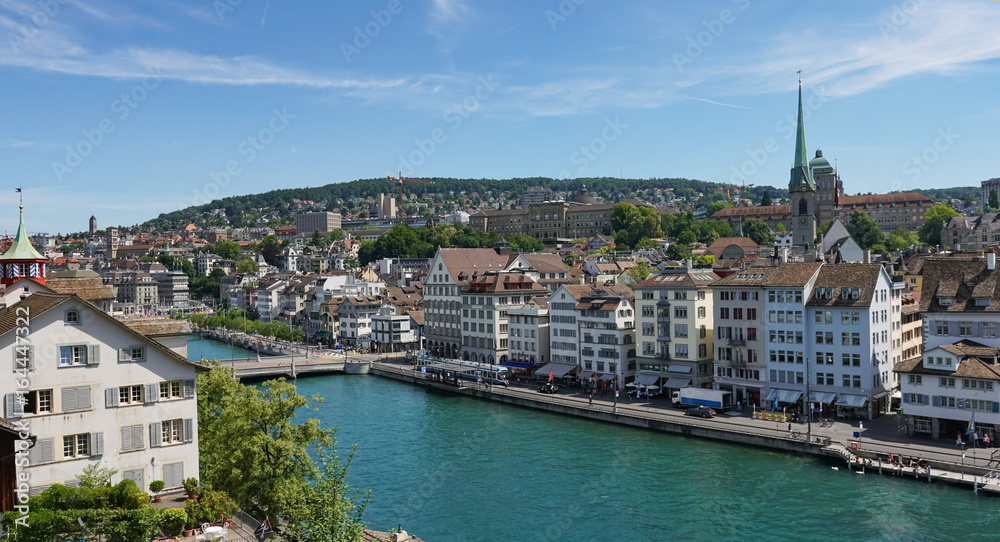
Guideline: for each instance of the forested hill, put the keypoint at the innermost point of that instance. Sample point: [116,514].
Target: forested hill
[244,210]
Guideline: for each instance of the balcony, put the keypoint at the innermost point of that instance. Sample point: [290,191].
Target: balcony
[663,339]
[663,355]
[737,342]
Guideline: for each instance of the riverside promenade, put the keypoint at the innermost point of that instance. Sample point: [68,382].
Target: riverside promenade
[878,438]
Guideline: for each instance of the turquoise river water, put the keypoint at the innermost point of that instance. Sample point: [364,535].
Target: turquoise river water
[449,467]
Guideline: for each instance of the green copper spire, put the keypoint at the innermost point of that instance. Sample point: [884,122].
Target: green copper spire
[20,248]
[801,172]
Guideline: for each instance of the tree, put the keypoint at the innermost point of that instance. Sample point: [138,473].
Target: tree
[247,265]
[525,243]
[757,230]
[779,228]
[229,250]
[639,272]
[994,201]
[715,207]
[366,253]
[864,230]
[332,511]
[677,251]
[630,224]
[318,238]
[765,200]
[270,248]
[934,220]
[901,239]
[253,447]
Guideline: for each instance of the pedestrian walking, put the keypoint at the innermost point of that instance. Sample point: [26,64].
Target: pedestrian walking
[986,440]
[789,429]
[591,398]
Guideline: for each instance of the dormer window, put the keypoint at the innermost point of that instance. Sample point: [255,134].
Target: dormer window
[855,293]
[72,316]
[983,301]
[946,301]
[844,293]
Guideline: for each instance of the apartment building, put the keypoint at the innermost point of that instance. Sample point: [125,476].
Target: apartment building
[674,331]
[70,356]
[486,300]
[738,314]
[591,328]
[528,329]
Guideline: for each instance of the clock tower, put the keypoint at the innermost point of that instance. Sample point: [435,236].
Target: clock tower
[802,189]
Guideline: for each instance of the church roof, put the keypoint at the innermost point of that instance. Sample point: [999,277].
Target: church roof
[801,172]
[819,161]
[20,248]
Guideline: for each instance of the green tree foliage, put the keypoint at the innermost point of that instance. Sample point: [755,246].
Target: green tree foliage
[236,320]
[630,224]
[270,248]
[247,265]
[229,250]
[715,207]
[254,447]
[901,239]
[96,475]
[757,230]
[639,272]
[994,201]
[707,259]
[765,200]
[366,253]
[677,251]
[779,228]
[930,231]
[525,243]
[864,230]
[205,286]
[318,239]
[333,512]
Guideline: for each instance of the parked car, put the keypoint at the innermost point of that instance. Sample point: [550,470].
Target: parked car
[700,411]
[548,387]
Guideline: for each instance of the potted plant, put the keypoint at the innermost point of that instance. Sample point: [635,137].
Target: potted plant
[156,486]
[191,486]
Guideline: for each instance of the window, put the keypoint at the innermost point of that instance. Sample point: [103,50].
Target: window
[76,445]
[701,312]
[72,355]
[680,312]
[72,317]
[941,327]
[965,329]
[829,337]
[947,382]
[680,331]
[38,402]
[172,432]
[855,339]
[170,390]
[130,395]
[702,351]
[856,381]
[681,350]
[132,438]
[916,379]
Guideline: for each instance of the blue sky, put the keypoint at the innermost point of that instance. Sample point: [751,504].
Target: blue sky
[126,110]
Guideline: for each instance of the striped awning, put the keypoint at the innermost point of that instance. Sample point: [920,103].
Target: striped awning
[677,383]
[822,397]
[783,396]
[851,400]
[645,380]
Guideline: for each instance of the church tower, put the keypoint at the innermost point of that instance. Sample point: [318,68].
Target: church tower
[802,189]
[21,259]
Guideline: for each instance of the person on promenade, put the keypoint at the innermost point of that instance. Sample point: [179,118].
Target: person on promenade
[958,439]
[975,439]
[789,429]
[986,441]
[591,398]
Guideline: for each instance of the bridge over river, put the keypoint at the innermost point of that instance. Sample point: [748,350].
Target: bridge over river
[293,366]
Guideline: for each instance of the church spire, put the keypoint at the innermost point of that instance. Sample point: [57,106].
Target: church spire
[801,172]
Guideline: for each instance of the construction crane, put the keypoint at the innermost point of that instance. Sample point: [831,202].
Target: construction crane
[727,189]
[743,191]
[399,198]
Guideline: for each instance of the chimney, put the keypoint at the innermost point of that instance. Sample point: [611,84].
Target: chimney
[784,254]
[868,256]
[991,258]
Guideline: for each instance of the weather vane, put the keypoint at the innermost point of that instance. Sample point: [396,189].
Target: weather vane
[20,197]
[800,77]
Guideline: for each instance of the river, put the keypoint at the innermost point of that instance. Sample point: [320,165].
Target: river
[450,467]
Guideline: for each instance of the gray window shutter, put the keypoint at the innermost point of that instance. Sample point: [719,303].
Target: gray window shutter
[23,357]
[996,407]
[155,435]
[13,407]
[137,438]
[189,388]
[68,399]
[72,483]
[124,355]
[93,354]
[136,475]
[188,430]
[42,452]
[127,445]
[111,397]
[83,397]
[97,443]
[152,393]
[36,490]
[935,400]
[960,403]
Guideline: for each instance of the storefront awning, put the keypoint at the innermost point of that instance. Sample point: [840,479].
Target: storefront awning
[323,334]
[608,376]
[586,374]
[783,396]
[856,401]
[517,365]
[677,383]
[685,369]
[555,369]
[645,380]
[822,397]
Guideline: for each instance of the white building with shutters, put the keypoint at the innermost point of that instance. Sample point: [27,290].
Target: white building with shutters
[91,389]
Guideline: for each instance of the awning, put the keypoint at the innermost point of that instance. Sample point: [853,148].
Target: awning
[517,365]
[645,380]
[851,400]
[686,369]
[556,369]
[323,334]
[822,397]
[880,394]
[608,376]
[586,374]
[783,396]
[677,383]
